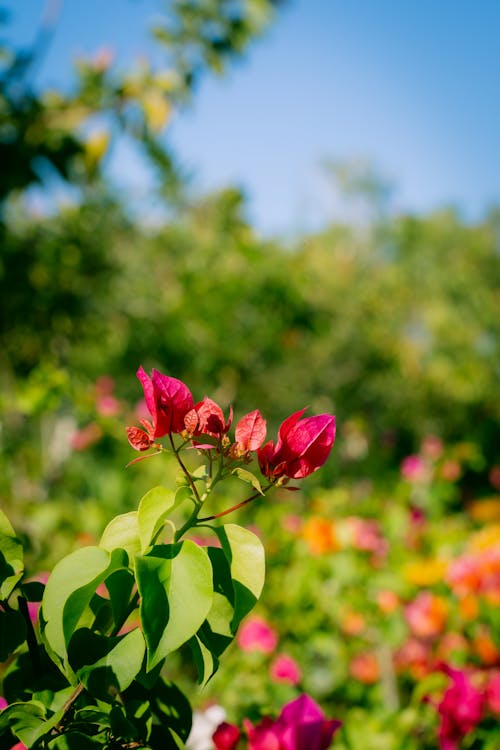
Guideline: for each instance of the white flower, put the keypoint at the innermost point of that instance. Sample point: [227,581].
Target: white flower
[204,725]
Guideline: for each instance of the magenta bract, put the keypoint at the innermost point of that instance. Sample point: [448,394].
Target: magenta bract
[461,709]
[300,726]
[207,418]
[303,446]
[250,431]
[168,401]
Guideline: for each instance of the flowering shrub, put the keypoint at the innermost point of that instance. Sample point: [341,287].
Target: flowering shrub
[385,598]
[88,668]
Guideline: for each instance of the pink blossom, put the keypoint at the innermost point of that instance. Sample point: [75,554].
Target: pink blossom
[432,446]
[285,669]
[3,702]
[367,536]
[256,634]
[461,708]
[414,469]
[107,406]
[86,436]
[301,725]
[303,446]
[426,614]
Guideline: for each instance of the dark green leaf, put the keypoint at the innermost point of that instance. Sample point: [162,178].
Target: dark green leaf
[105,665]
[12,633]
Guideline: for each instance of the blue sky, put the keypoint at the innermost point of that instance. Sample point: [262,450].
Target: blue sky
[412,86]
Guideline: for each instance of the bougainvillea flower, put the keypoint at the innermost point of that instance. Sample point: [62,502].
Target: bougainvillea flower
[207,418]
[461,708]
[301,725]
[250,432]
[303,446]
[168,401]
[226,736]
[140,440]
[256,634]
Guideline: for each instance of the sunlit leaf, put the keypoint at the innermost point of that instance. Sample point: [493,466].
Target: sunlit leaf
[175,584]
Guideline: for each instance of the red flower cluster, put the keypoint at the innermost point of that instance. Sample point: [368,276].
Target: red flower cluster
[303,445]
[460,708]
[301,725]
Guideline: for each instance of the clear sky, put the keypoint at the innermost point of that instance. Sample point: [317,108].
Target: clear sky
[413,86]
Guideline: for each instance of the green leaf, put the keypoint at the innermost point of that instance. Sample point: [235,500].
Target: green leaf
[212,638]
[25,720]
[173,708]
[11,558]
[122,533]
[120,585]
[33,590]
[106,665]
[152,514]
[205,660]
[245,554]
[67,595]
[175,584]
[12,633]
[75,741]
[247,476]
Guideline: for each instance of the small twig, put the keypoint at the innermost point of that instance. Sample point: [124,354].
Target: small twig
[184,469]
[235,507]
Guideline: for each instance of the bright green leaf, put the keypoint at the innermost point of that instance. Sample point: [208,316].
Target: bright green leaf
[67,595]
[123,533]
[11,558]
[152,514]
[175,584]
[245,554]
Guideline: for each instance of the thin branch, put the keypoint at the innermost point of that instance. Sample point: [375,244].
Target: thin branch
[184,469]
[235,507]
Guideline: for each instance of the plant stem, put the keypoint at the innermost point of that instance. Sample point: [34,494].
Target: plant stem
[184,469]
[235,507]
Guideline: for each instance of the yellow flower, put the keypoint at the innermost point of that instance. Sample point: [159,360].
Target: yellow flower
[425,572]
